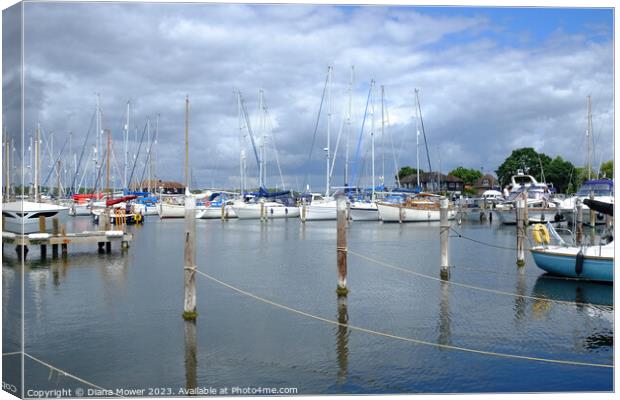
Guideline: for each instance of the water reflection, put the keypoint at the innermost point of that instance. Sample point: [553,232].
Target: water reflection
[445,332]
[521,302]
[191,359]
[342,340]
[593,300]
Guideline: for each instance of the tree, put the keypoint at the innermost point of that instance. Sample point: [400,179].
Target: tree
[526,159]
[468,175]
[406,171]
[607,169]
[559,172]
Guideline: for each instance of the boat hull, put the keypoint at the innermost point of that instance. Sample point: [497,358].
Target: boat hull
[364,212]
[318,212]
[216,212]
[594,267]
[170,210]
[509,217]
[253,211]
[396,213]
[24,218]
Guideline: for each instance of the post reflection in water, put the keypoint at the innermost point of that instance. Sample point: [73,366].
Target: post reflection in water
[520,301]
[445,334]
[191,359]
[342,340]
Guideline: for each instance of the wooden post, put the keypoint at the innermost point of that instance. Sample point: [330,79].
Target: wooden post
[63,246]
[189,305]
[592,213]
[521,206]
[526,216]
[106,219]
[42,229]
[223,211]
[578,222]
[303,212]
[341,244]
[55,231]
[444,230]
[400,213]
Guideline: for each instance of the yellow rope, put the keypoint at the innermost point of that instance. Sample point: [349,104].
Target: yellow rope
[495,291]
[407,339]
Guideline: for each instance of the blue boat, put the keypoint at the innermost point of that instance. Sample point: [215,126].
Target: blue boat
[594,263]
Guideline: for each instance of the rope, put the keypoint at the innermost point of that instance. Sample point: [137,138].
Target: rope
[64,372]
[11,353]
[495,291]
[460,235]
[406,339]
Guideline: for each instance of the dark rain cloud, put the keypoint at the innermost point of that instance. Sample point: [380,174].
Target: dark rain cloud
[480,98]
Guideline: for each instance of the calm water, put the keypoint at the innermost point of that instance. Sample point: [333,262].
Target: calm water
[115,319]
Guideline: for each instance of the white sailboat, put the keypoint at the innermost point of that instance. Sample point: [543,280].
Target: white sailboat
[174,207]
[322,208]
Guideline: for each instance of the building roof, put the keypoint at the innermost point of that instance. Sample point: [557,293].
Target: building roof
[156,183]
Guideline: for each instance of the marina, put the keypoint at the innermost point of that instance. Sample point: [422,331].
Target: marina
[301,200]
[491,313]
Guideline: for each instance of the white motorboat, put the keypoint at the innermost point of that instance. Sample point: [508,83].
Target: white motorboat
[23,216]
[601,189]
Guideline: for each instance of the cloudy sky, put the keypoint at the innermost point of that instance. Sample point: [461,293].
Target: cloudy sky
[490,80]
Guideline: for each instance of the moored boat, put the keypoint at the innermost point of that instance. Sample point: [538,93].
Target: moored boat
[23,216]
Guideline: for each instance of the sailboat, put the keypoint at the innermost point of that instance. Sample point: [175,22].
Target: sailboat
[22,216]
[262,204]
[174,207]
[364,209]
[322,208]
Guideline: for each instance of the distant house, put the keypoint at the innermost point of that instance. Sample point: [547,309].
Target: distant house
[428,182]
[486,182]
[166,187]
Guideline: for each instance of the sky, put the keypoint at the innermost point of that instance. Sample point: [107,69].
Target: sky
[490,80]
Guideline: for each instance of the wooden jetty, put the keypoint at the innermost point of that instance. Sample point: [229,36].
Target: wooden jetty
[103,239]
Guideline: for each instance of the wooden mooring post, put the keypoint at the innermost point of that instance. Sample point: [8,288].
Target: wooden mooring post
[189,304]
[444,230]
[521,224]
[578,222]
[341,244]
[42,229]
[55,232]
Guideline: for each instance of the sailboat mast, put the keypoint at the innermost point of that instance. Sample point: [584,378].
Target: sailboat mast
[261,122]
[7,149]
[107,163]
[346,153]
[329,117]
[589,137]
[98,137]
[372,137]
[417,145]
[126,146]
[382,135]
[148,154]
[187,142]
[37,197]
